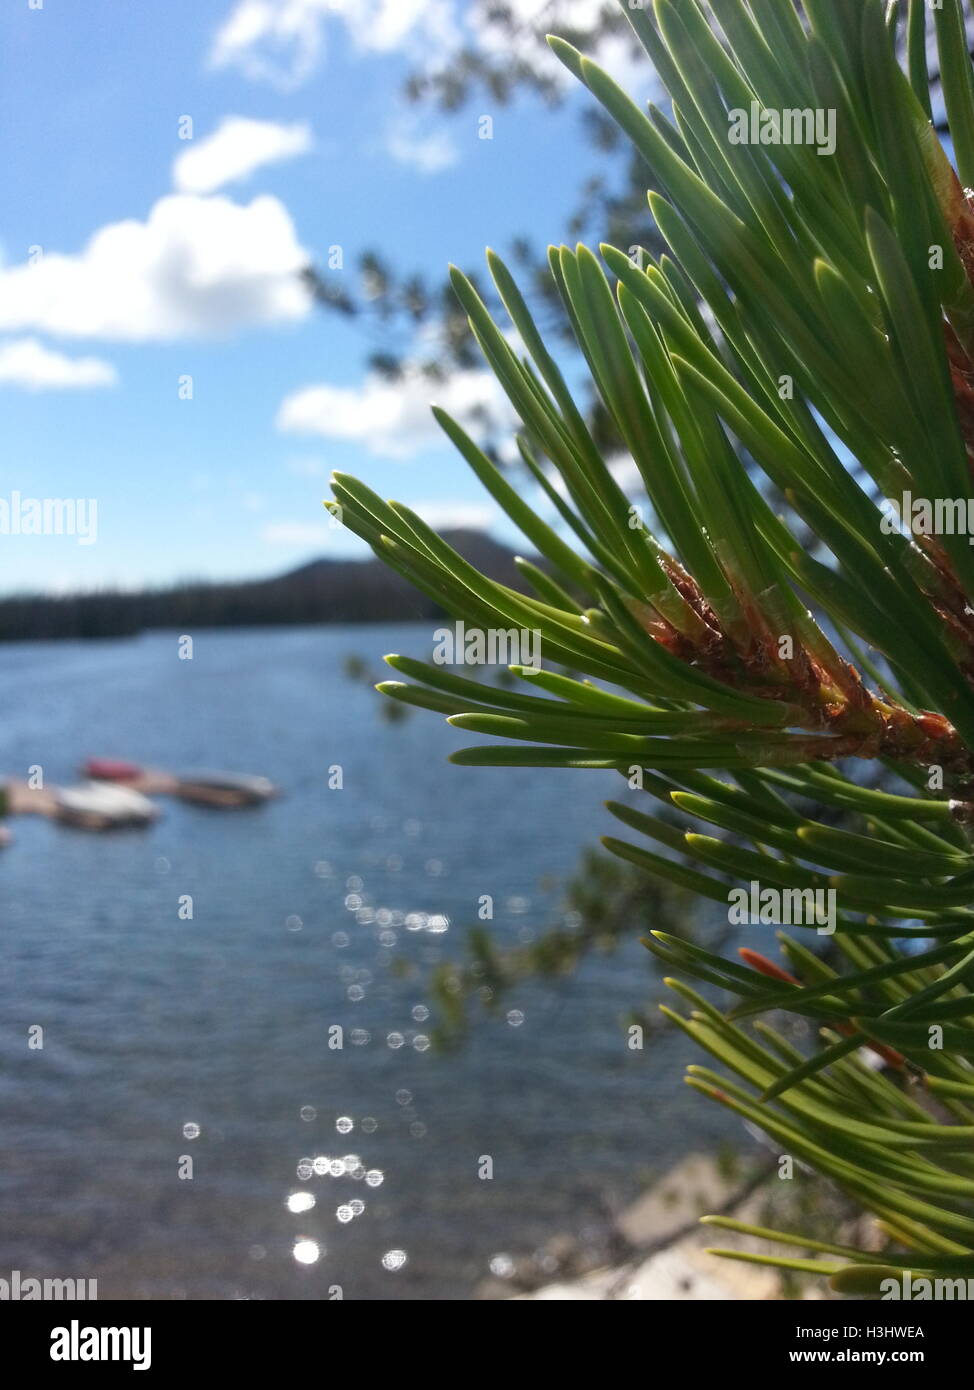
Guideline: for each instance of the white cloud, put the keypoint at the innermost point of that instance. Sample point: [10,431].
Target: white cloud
[429,152]
[235,150]
[282,41]
[28,363]
[195,266]
[391,417]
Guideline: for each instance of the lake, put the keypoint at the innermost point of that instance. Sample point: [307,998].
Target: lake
[168,1038]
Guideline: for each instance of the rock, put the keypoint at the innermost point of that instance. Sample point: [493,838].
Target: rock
[690,1190]
[674,1264]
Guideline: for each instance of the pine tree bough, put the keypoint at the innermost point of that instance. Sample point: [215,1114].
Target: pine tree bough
[800,356]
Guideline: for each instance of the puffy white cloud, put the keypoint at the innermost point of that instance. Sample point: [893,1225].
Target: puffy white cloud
[281,41]
[391,417]
[429,152]
[235,150]
[28,363]
[195,267]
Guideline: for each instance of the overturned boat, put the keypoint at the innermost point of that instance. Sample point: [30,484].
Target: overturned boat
[205,788]
[99,806]
[91,805]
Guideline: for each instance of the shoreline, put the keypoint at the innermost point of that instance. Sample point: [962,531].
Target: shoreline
[659,1248]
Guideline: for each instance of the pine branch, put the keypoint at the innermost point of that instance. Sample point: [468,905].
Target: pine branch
[797,361]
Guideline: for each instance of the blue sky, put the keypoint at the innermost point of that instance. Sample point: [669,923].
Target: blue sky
[147,273]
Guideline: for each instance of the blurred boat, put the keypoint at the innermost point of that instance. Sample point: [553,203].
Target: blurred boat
[90,805]
[221,789]
[98,806]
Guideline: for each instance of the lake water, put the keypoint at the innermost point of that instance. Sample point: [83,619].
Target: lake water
[304,912]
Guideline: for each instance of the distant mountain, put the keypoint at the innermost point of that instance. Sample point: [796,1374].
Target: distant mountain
[323,591]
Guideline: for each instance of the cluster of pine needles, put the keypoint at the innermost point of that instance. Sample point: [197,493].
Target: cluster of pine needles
[801,353]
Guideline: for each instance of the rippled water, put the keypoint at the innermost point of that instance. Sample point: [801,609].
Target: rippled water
[209,1038]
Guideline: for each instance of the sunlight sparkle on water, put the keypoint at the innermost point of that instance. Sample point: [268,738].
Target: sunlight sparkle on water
[300,1201]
